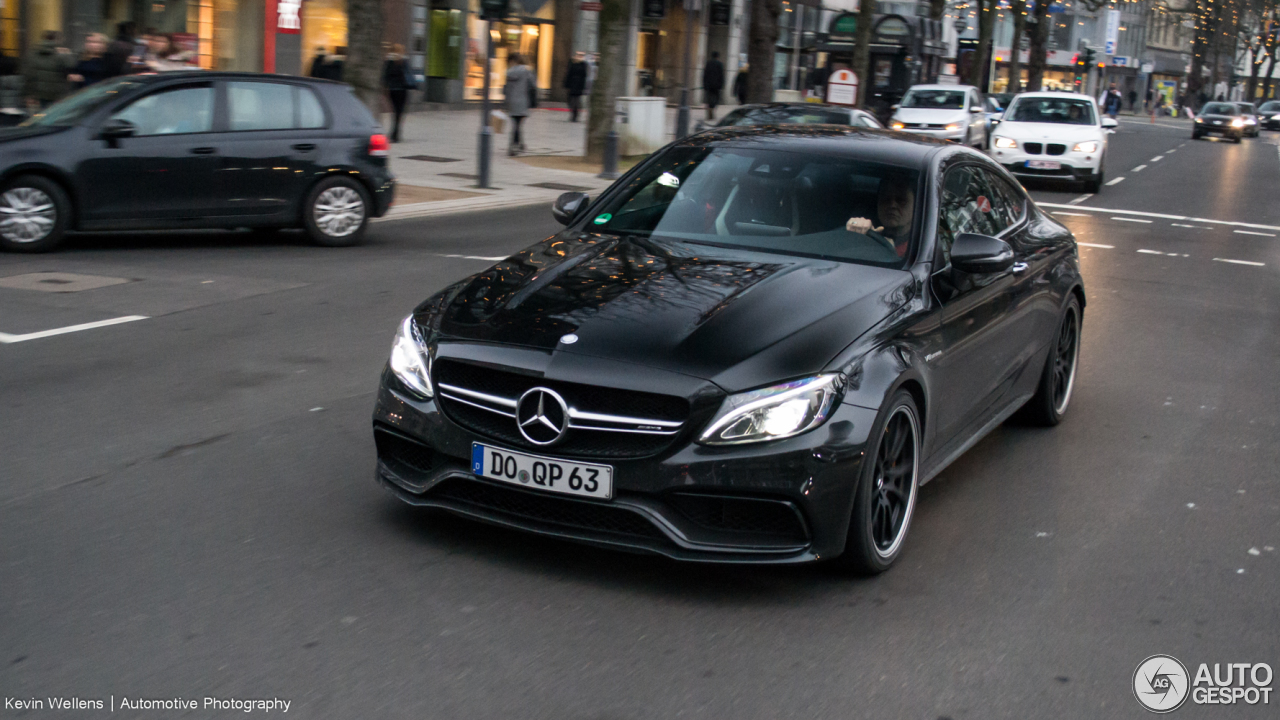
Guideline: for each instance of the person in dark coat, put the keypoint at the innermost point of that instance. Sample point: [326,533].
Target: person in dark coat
[45,72]
[317,62]
[93,63]
[740,85]
[120,51]
[712,84]
[398,81]
[519,92]
[575,81]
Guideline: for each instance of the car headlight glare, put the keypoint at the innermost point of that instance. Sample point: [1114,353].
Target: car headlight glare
[1238,122]
[896,125]
[954,126]
[410,360]
[1199,120]
[1006,143]
[775,412]
[1086,147]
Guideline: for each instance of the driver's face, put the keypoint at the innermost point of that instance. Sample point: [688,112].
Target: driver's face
[896,205]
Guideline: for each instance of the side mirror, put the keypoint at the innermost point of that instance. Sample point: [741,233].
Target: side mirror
[978,254]
[975,109]
[894,107]
[117,128]
[1109,124]
[567,206]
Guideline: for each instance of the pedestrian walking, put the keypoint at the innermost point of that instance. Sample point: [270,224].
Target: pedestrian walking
[1133,100]
[398,80]
[712,84]
[317,62]
[740,85]
[120,51]
[45,77]
[334,65]
[575,82]
[92,66]
[519,91]
[1111,102]
[11,82]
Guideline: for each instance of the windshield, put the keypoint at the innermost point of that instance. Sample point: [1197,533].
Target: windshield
[786,116]
[1066,111]
[771,200]
[1220,109]
[1273,106]
[71,110]
[935,99]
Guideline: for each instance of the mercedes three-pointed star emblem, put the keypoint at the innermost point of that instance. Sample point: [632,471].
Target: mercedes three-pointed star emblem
[542,416]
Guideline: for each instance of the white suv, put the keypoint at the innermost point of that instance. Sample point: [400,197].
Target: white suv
[947,112]
[1053,135]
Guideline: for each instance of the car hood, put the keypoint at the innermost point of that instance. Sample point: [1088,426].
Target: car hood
[1211,118]
[1048,131]
[735,317]
[931,116]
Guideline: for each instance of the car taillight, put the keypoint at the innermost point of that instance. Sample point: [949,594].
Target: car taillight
[378,145]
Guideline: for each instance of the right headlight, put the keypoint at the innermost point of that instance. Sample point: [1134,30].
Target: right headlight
[1086,147]
[1006,143]
[1199,120]
[776,412]
[410,360]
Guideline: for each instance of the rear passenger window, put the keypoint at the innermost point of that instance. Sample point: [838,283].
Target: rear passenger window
[272,106]
[966,208]
[1005,201]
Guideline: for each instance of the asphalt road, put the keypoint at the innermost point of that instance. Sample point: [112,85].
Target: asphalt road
[187,505]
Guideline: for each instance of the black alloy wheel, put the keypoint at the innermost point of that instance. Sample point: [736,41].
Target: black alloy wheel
[1048,406]
[885,499]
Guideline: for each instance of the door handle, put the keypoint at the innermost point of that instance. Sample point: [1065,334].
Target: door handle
[304,147]
[203,151]
[1019,267]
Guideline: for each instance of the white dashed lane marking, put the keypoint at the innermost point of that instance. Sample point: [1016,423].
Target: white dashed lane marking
[7,338]
[1137,220]
[1096,245]
[1250,232]
[1071,214]
[1239,262]
[1160,216]
[1161,252]
[1117,181]
[1157,158]
[476,257]
[1140,168]
[1078,200]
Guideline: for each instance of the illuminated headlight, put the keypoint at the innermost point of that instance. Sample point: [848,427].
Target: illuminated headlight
[774,412]
[1199,120]
[1275,117]
[1238,122]
[896,125]
[1006,143]
[410,361]
[1086,147]
[954,126]
[1250,121]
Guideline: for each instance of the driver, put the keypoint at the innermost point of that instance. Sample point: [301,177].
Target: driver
[895,206]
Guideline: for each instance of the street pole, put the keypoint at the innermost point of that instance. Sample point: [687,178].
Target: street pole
[486,132]
[682,115]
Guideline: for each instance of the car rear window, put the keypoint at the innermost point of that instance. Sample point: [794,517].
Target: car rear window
[272,106]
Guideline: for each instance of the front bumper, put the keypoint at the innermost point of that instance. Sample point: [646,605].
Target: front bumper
[1271,124]
[787,501]
[1208,128]
[1072,165]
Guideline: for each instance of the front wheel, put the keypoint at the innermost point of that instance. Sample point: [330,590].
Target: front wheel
[1094,184]
[885,498]
[336,212]
[34,214]
[1058,378]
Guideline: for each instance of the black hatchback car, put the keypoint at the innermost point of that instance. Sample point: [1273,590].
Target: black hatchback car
[1221,118]
[195,150]
[754,347]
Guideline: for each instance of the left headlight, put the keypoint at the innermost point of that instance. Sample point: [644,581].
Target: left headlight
[776,412]
[1238,122]
[954,126]
[410,360]
[1006,143]
[1087,147]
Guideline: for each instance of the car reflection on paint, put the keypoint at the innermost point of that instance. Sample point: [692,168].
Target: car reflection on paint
[754,347]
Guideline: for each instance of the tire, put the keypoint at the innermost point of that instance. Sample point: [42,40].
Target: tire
[884,501]
[1053,393]
[336,212]
[36,213]
[1094,184]
[1195,136]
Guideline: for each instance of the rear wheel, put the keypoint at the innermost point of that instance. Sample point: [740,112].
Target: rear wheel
[1058,378]
[34,214]
[336,212]
[885,498]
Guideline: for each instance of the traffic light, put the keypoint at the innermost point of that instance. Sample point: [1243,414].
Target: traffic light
[493,9]
[1089,57]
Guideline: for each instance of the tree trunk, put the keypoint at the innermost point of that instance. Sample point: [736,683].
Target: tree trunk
[937,9]
[363,67]
[761,46]
[567,16]
[982,57]
[609,71]
[1019,10]
[1039,42]
[862,50]
[1199,48]
[1255,64]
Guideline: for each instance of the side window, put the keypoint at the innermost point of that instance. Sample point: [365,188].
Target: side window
[1011,202]
[966,208]
[259,106]
[310,114]
[173,111]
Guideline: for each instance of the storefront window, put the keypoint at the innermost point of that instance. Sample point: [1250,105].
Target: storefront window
[324,24]
[446,34]
[532,37]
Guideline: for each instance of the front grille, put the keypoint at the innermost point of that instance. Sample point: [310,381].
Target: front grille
[1033,148]
[742,515]
[556,511]
[393,449]
[497,421]
[1056,149]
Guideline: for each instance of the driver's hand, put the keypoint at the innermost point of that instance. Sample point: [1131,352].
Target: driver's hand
[860,225]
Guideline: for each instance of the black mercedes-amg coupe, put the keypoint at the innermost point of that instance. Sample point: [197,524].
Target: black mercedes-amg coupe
[754,347]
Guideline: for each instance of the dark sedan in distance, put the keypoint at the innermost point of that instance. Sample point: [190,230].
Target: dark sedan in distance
[753,347]
[1269,114]
[195,150]
[1220,118]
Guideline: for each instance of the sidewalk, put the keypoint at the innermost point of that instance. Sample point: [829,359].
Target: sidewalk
[436,162]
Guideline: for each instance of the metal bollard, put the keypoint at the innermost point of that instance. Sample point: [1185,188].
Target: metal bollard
[610,156]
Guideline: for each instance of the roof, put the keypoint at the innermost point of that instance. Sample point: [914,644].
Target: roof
[941,87]
[219,75]
[882,146]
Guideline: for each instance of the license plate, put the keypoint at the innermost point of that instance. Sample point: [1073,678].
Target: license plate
[1044,164]
[542,473]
